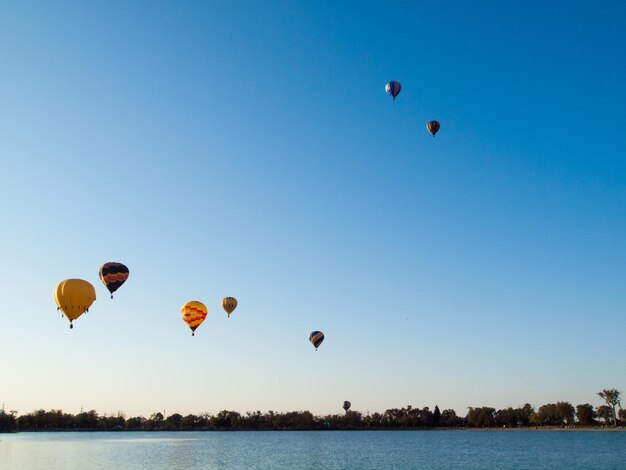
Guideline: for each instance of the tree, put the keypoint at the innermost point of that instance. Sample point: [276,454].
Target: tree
[155,422]
[483,417]
[174,421]
[611,397]
[448,418]
[605,413]
[586,415]
[436,416]
[8,421]
[548,415]
[565,412]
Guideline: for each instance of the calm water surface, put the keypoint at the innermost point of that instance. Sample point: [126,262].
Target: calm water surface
[315,450]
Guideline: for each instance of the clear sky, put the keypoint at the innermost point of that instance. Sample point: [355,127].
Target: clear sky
[249,149]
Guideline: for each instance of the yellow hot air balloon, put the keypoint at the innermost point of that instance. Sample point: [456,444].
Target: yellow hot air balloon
[74,297]
[229,304]
[193,314]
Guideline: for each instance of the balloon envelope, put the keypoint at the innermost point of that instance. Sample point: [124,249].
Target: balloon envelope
[74,297]
[113,275]
[193,313]
[393,88]
[433,127]
[346,405]
[316,338]
[229,304]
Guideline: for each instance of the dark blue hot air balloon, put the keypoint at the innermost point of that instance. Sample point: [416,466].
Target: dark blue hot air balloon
[316,338]
[392,89]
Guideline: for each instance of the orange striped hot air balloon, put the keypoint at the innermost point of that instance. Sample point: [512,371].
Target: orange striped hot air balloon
[193,314]
[229,304]
[316,338]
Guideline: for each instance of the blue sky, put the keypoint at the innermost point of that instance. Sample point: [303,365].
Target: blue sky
[249,149]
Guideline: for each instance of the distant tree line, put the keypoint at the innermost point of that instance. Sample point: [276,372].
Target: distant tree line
[553,414]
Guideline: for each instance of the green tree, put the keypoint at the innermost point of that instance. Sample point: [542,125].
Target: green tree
[483,417]
[534,419]
[611,397]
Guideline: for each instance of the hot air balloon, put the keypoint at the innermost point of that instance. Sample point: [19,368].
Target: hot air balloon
[229,304]
[392,89]
[432,127]
[316,338]
[346,405]
[74,297]
[113,275]
[193,314]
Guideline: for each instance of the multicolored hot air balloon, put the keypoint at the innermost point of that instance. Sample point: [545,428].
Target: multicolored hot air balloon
[193,314]
[316,338]
[433,127]
[392,89]
[113,275]
[229,304]
[74,297]
[346,405]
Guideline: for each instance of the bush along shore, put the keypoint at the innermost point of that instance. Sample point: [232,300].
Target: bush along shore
[550,416]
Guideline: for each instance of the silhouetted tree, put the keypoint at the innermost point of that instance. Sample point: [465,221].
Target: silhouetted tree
[135,424]
[155,422]
[449,419]
[8,421]
[586,415]
[611,397]
[225,419]
[173,422]
[605,413]
[436,416]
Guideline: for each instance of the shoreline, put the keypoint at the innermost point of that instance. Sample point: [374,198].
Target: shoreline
[520,429]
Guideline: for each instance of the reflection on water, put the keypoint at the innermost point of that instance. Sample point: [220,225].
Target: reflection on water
[315,450]
[150,440]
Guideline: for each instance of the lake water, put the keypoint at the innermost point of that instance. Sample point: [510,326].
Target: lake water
[315,450]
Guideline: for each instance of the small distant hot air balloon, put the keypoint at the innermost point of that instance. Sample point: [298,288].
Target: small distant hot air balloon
[316,338]
[346,405]
[392,89]
[229,304]
[74,297]
[113,275]
[432,127]
[193,314]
